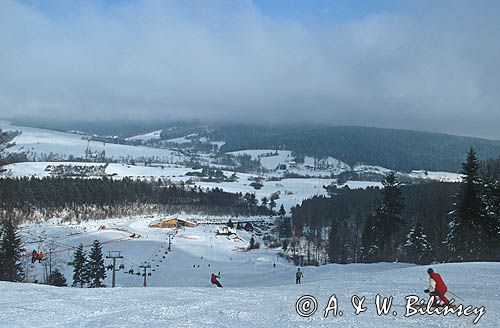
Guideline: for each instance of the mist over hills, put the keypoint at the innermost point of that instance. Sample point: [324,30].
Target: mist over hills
[396,149]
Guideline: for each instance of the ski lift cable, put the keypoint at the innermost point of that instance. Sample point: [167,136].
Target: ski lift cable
[42,239]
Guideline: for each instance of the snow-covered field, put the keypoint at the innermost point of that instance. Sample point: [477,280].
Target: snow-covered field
[36,142]
[118,170]
[255,293]
[154,135]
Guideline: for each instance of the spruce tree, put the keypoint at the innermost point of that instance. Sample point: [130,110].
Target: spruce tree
[284,228]
[370,240]
[95,266]
[417,249]
[380,240]
[272,204]
[333,245]
[466,234]
[389,214]
[490,175]
[10,253]
[80,272]
[282,211]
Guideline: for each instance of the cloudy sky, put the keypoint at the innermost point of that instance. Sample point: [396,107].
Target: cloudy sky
[426,65]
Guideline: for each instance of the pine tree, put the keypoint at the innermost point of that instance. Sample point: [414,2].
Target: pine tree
[80,273]
[417,249]
[10,253]
[95,266]
[466,236]
[56,278]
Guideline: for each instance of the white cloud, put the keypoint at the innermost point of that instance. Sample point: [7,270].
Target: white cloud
[433,69]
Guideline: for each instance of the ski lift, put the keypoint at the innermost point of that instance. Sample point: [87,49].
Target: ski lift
[121,267]
[37,256]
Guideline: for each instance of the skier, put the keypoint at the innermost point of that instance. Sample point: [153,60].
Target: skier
[298,276]
[214,280]
[437,287]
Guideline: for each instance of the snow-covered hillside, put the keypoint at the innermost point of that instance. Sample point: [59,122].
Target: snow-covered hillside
[255,293]
[41,144]
[154,135]
[36,143]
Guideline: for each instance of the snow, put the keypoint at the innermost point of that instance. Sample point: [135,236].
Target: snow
[440,176]
[181,140]
[219,144]
[371,169]
[310,167]
[361,184]
[118,170]
[267,160]
[291,191]
[154,135]
[34,142]
[255,293]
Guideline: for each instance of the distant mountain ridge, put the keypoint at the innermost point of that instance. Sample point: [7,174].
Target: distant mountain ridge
[395,149]
[402,150]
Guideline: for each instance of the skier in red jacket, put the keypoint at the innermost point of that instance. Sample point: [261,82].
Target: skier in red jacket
[214,280]
[437,287]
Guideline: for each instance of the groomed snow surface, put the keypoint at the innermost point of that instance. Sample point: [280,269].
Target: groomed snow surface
[255,294]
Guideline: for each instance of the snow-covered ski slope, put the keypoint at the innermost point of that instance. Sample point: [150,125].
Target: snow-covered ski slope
[255,293]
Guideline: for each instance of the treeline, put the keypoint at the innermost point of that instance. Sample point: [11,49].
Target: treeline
[400,150]
[415,223]
[23,197]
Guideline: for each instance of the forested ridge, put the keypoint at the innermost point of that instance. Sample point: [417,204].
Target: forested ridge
[401,150]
